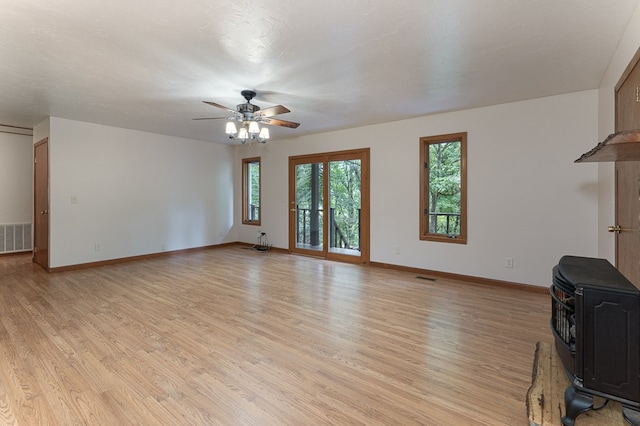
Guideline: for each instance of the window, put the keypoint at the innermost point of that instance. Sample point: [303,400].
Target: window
[251,191]
[443,188]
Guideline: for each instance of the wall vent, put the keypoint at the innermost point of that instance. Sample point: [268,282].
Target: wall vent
[15,237]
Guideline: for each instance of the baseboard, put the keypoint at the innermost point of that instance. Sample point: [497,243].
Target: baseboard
[138,257]
[418,271]
[271,248]
[459,277]
[16,253]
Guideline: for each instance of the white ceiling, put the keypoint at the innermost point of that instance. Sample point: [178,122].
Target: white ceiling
[149,64]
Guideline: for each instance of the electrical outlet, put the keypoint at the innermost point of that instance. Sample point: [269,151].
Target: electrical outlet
[397,249]
[98,247]
[508,262]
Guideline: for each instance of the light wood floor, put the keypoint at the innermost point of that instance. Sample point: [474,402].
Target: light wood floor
[231,336]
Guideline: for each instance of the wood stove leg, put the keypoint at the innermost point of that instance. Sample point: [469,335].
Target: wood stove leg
[631,415]
[575,404]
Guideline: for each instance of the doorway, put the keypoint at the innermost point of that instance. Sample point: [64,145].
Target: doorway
[41,203]
[329,205]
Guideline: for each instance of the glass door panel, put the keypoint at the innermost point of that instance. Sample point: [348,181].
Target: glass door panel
[345,183]
[329,205]
[309,206]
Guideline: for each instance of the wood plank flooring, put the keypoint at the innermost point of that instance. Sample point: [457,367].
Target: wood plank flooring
[231,336]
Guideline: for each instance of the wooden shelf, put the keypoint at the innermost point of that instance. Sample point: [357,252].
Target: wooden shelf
[621,146]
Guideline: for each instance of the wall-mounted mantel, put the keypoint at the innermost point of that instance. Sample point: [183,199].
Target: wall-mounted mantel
[621,146]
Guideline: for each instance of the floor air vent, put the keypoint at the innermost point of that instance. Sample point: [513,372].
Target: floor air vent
[15,238]
[426,278]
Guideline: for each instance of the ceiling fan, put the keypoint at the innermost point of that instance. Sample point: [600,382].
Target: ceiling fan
[249,115]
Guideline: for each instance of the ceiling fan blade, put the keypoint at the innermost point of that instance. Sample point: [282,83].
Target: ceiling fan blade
[220,106]
[211,118]
[283,123]
[274,110]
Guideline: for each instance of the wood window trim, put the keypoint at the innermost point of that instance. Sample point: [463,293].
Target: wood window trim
[425,235]
[245,194]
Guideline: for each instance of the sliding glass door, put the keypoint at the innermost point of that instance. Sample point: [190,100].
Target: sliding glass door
[345,208]
[309,206]
[329,205]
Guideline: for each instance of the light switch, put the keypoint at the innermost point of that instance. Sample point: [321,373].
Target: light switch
[74,199]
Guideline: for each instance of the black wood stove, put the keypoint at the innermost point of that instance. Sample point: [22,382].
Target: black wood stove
[595,319]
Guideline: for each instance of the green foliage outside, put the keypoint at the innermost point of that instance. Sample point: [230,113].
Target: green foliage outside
[303,185]
[345,181]
[444,187]
[254,191]
[304,199]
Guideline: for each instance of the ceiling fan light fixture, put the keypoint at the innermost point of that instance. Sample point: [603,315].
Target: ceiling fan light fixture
[263,137]
[231,129]
[243,135]
[249,117]
[254,129]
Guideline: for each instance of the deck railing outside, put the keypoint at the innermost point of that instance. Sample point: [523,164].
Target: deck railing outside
[444,223]
[338,237]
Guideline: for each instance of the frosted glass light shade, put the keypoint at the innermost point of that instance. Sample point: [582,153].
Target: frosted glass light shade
[254,128]
[264,133]
[242,134]
[231,128]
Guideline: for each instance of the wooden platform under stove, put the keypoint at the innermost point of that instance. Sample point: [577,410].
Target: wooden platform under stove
[545,398]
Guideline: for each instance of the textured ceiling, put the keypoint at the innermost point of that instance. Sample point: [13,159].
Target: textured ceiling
[148,65]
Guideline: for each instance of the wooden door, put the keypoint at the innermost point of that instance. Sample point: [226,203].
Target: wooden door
[627,215]
[321,222]
[628,97]
[628,176]
[41,204]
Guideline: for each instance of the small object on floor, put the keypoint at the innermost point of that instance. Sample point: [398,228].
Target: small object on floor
[545,398]
[262,242]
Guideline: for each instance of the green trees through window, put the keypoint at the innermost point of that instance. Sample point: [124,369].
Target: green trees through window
[344,186]
[345,182]
[251,191]
[443,188]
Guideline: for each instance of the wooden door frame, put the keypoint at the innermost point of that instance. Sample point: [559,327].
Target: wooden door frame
[36,216]
[325,157]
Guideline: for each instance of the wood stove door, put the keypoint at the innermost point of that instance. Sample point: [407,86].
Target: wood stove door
[607,350]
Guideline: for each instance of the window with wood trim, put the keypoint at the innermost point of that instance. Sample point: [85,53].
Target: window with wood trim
[251,191]
[443,188]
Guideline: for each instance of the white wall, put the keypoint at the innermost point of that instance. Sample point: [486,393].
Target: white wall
[41,130]
[137,193]
[527,199]
[627,48]
[16,179]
